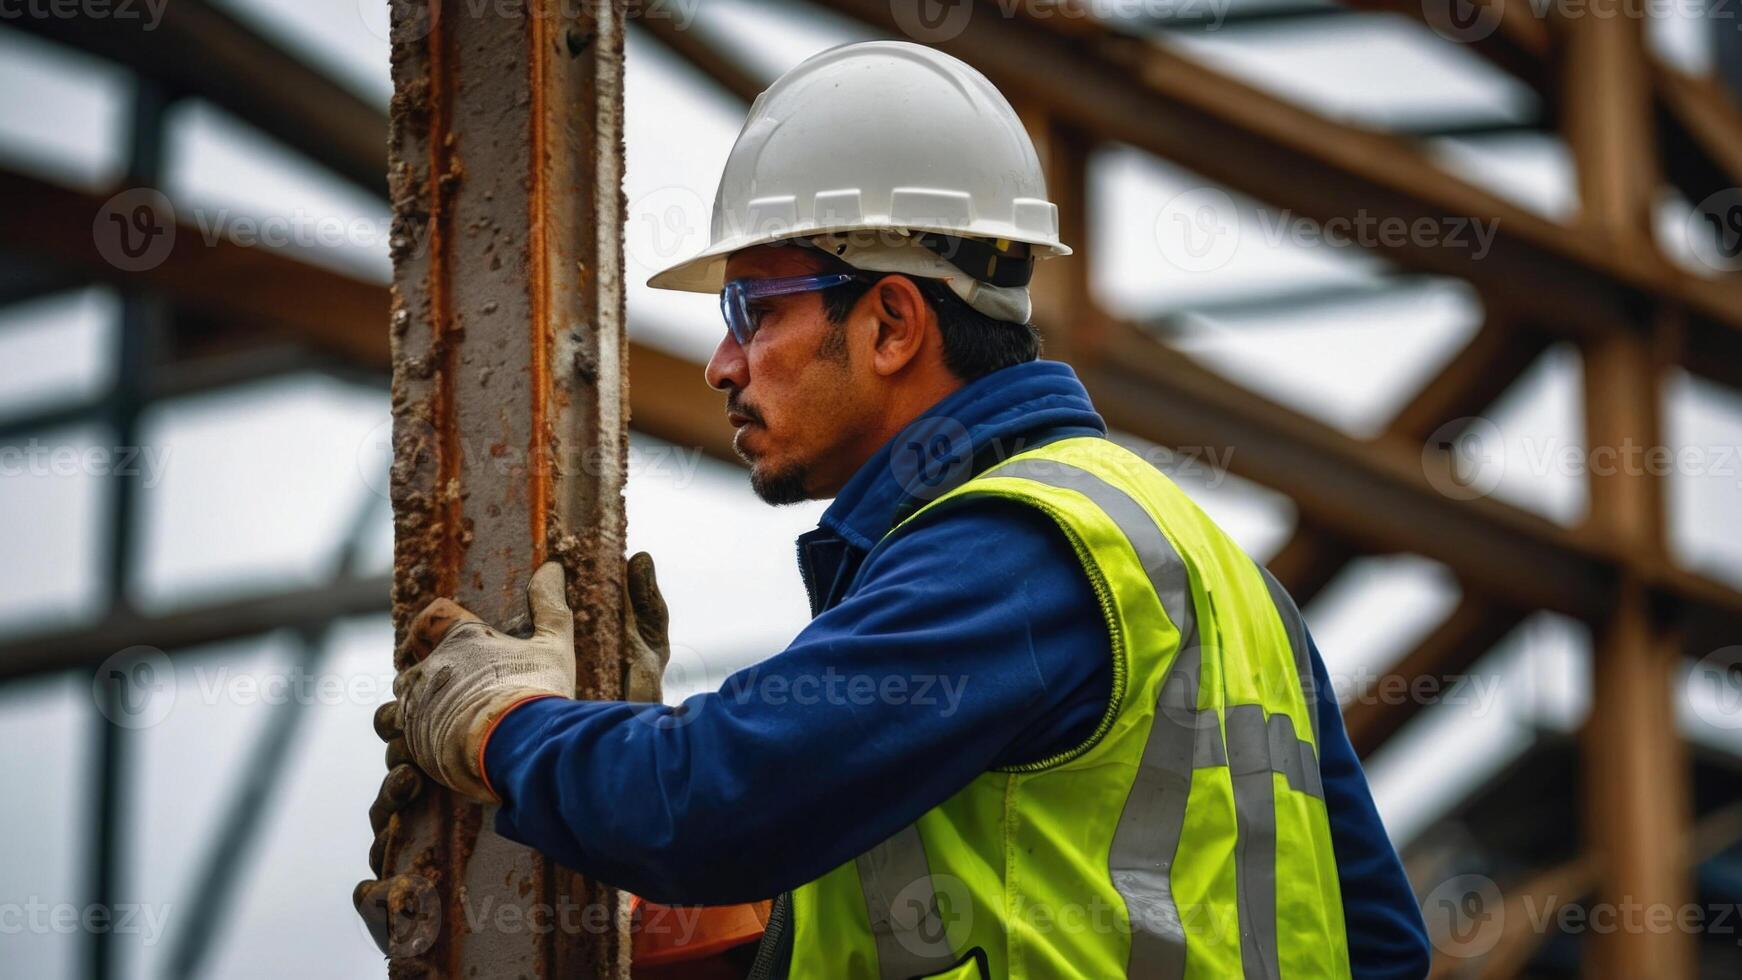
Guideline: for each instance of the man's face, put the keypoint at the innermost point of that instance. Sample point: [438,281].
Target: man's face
[792,392]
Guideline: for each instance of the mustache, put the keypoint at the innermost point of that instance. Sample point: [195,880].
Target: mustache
[735,403]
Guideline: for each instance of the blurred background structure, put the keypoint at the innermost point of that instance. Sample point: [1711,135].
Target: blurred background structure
[1433,305]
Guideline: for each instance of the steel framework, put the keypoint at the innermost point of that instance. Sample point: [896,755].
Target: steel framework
[1632,123]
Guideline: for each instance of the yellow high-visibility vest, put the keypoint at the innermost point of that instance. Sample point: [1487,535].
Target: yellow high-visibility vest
[1187,837]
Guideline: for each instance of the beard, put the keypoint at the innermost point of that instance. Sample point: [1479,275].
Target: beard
[780,487]
[777,487]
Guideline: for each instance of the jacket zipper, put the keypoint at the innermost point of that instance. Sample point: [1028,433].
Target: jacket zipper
[774,952]
[804,572]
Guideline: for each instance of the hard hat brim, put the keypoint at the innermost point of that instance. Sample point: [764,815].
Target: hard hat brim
[705,272]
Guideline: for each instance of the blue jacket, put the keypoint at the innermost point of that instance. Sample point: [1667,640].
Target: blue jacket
[970,642]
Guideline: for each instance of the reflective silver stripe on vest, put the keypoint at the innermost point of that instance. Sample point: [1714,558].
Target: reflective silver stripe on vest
[1295,627]
[1249,763]
[1181,739]
[902,904]
[1148,834]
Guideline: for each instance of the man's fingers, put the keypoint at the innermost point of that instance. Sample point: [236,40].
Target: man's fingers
[652,619]
[430,627]
[402,785]
[550,608]
[387,723]
[378,853]
[403,913]
[370,900]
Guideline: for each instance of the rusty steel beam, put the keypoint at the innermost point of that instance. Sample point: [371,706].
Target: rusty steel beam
[1147,390]
[509,405]
[1698,123]
[1637,787]
[1369,494]
[1156,99]
[194,47]
[1474,627]
[1478,374]
[1064,307]
[273,296]
[1502,350]
[84,646]
[713,61]
[266,292]
[1509,36]
[1535,900]
[1144,387]
[1637,773]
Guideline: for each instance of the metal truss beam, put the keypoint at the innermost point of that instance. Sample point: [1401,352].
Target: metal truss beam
[1129,89]
[84,647]
[276,296]
[199,49]
[1373,496]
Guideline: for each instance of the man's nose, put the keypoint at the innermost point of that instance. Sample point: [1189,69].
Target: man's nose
[728,368]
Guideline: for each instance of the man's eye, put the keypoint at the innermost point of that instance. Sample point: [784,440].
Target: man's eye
[757,311]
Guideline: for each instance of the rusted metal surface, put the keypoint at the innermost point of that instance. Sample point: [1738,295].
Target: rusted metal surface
[508,401]
[1637,778]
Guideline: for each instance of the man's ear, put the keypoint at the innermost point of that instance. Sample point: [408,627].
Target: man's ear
[902,322]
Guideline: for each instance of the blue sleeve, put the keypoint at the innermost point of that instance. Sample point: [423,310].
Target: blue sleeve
[1387,938]
[957,650]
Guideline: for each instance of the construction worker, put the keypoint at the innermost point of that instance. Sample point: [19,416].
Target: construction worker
[1047,720]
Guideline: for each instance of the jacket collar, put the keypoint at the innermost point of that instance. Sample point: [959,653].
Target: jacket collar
[985,421]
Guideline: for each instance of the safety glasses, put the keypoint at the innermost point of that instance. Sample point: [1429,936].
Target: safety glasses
[739,295]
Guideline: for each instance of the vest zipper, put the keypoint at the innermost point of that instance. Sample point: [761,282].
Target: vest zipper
[774,953]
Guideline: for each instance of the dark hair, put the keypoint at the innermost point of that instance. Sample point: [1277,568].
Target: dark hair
[975,344]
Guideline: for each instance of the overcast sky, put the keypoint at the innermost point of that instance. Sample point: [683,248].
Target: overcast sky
[251,491]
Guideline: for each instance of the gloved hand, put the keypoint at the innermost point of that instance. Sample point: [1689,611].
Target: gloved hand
[451,699]
[646,649]
[646,643]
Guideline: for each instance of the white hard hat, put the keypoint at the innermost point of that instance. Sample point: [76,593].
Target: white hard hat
[879,136]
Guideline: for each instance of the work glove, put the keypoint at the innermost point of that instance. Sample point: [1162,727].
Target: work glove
[451,697]
[487,674]
[646,639]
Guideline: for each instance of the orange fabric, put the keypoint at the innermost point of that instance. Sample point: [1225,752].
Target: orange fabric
[667,934]
[484,743]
